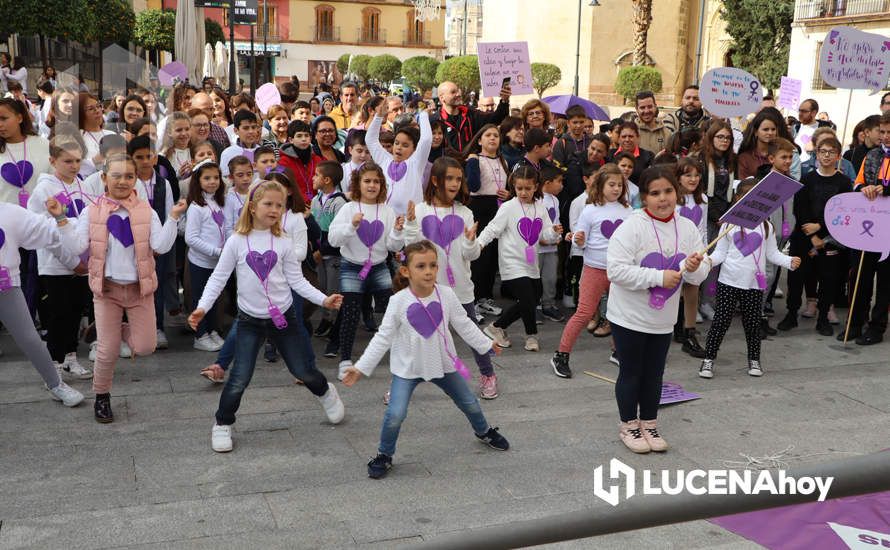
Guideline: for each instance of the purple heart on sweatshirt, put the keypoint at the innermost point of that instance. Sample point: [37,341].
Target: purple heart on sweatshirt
[397,170]
[425,319]
[17,173]
[444,231]
[262,263]
[247,153]
[530,229]
[74,207]
[369,232]
[693,214]
[659,295]
[2,238]
[552,212]
[608,227]
[120,228]
[747,242]
[218,217]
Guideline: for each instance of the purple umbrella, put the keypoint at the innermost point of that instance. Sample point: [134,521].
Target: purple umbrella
[560,103]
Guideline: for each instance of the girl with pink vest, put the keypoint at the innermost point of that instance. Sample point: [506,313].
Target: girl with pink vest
[122,233]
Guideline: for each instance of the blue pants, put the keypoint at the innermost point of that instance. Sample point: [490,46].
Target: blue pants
[199,277]
[642,357]
[298,357]
[400,395]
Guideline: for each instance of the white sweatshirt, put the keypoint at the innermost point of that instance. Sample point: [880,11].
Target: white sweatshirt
[512,261]
[57,260]
[410,354]
[410,186]
[348,168]
[203,236]
[34,150]
[284,275]
[575,208]
[689,211]
[91,140]
[342,233]
[120,260]
[232,209]
[551,208]
[598,224]
[231,152]
[629,293]
[461,252]
[740,270]
[23,229]
[294,224]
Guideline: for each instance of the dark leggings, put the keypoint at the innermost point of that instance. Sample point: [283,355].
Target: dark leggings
[526,292]
[642,357]
[871,267]
[749,300]
[349,316]
[828,269]
[67,298]
[484,268]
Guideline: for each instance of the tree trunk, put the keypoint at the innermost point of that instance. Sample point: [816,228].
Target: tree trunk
[642,20]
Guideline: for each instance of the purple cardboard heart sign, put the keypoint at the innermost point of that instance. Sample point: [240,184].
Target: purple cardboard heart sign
[120,228]
[693,214]
[262,263]
[17,173]
[748,242]
[444,231]
[369,232]
[530,229]
[608,227]
[425,319]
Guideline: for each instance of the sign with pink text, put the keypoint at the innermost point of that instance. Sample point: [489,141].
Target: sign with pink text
[854,59]
[500,60]
[730,92]
[858,223]
[762,200]
[789,93]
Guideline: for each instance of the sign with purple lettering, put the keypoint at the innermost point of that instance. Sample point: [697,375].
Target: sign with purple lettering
[858,223]
[854,59]
[500,60]
[762,200]
[730,92]
[172,73]
[789,93]
[671,392]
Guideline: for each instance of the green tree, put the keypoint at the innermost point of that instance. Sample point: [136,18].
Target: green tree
[544,76]
[360,66]
[155,29]
[385,67]
[62,19]
[761,36]
[632,80]
[213,32]
[114,20]
[420,72]
[343,63]
[462,70]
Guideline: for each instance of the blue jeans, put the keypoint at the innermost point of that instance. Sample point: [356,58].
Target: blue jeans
[199,277]
[400,395]
[298,357]
[378,279]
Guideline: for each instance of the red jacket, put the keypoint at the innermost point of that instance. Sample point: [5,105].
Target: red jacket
[302,174]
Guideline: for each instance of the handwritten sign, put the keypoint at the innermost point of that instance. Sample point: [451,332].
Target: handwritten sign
[671,392]
[789,93]
[266,96]
[500,60]
[762,200]
[172,73]
[730,92]
[854,59]
[858,223]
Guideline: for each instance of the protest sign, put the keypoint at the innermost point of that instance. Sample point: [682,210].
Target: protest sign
[789,93]
[671,392]
[730,92]
[266,96]
[858,223]
[762,200]
[854,59]
[500,60]
[172,73]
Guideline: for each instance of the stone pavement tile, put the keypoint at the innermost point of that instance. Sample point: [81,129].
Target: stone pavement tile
[681,536]
[312,535]
[38,414]
[140,524]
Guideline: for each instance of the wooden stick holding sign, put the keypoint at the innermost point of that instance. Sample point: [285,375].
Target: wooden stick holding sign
[853,299]
[709,246]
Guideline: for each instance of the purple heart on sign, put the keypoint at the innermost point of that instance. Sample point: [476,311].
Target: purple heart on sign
[552,212]
[120,228]
[444,231]
[369,232]
[425,319]
[218,217]
[530,229]
[608,227]
[747,242]
[693,214]
[397,170]
[2,238]
[17,173]
[247,153]
[657,260]
[262,264]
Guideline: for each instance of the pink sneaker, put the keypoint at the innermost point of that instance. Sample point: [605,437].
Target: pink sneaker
[810,310]
[632,436]
[650,434]
[488,388]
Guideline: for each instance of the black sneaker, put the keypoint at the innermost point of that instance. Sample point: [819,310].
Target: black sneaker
[370,324]
[494,440]
[332,349]
[766,330]
[553,313]
[870,339]
[854,334]
[691,345]
[768,310]
[379,466]
[539,316]
[789,322]
[824,328]
[270,354]
[560,364]
[102,408]
[323,328]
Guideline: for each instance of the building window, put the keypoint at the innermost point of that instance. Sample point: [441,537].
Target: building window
[324,24]
[415,33]
[370,31]
[818,83]
[273,21]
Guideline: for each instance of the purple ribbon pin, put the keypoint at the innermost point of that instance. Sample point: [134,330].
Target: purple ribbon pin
[866,227]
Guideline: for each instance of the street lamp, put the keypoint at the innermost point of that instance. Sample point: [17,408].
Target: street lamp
[593,4]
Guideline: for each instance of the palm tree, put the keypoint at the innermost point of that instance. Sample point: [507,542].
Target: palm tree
[642,21]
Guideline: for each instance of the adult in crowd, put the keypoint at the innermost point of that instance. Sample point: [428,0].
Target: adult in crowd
[218,136]
[133,110]
[536,114]
[15,72]
[48,75]
[690,114]
[763,128]
[885,103]
[654,130]
[396,109]
[90,122]
[868,136]
[486,105]
[629,141]
[462,122]
[807,123]
[348,107]
[324,136]
[61,109]
[222,112]
[512,140]
[290,93]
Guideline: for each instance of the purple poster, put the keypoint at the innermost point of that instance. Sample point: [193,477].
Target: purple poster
[853,522]
[761,201]
[500,60]
[671,392]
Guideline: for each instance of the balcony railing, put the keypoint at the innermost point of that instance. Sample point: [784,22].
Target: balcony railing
[326,34]
[815,9]
[411,38]
[371,36]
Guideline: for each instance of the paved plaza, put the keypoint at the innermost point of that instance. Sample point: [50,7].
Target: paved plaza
[151,480]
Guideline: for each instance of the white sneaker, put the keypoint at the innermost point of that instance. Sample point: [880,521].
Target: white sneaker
[488,307]
[778,293]
[93,346]
[341,371]
[531,344]
[498,335]
[706,370]
[221,438]
[66,394]
[568,302]
[126,352]
[74,369]
[754,368]
[217,338]
[162,340]
[332,405]
[206,343]
[707,311]
[614,358]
